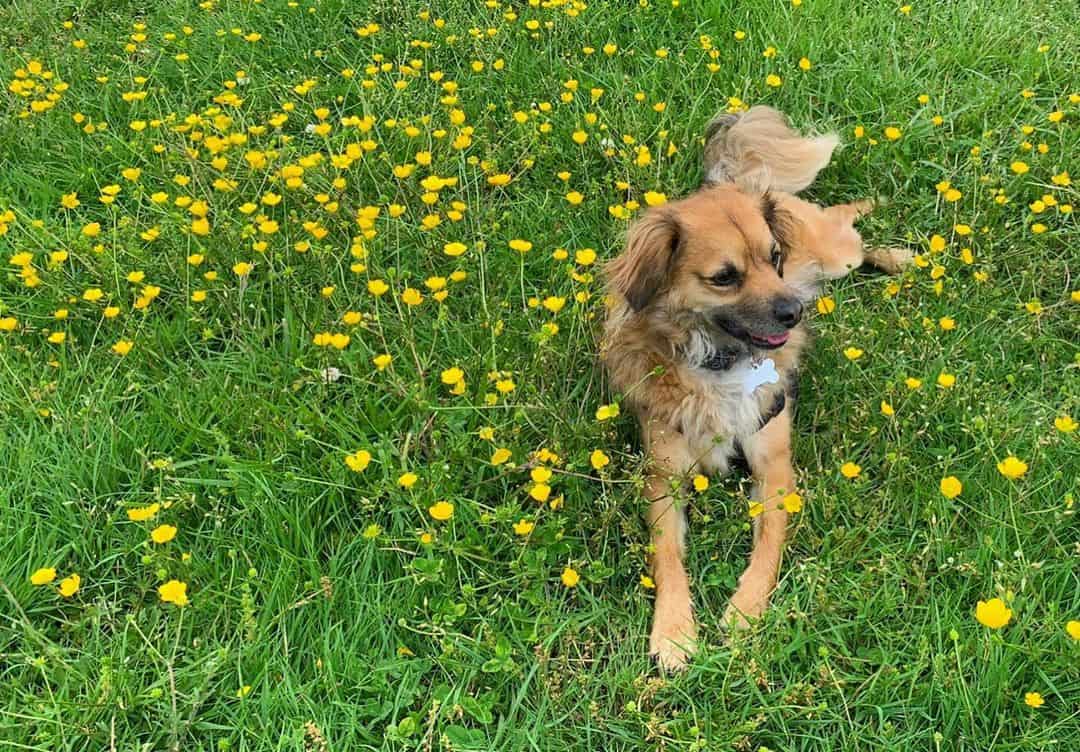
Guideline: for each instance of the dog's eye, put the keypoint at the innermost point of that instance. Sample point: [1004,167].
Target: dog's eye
[726,277]
[776,258]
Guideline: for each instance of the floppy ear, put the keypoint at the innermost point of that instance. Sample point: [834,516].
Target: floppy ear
[644,268]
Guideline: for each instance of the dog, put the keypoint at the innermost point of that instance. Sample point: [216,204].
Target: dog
[703,336]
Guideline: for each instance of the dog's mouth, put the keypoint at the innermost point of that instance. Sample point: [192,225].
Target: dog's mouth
[760,341]
[768,341]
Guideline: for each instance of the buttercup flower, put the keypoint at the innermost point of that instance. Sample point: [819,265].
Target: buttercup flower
[850,470]
[993,613]
[43,576]
[570,577]
[163,533]
[1012,467]
[173,591]
[70,585]
[441,511]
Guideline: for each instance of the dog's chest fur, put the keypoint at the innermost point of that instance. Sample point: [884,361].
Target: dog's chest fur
[717,411]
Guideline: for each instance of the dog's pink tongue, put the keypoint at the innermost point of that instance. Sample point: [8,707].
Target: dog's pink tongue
[776,339]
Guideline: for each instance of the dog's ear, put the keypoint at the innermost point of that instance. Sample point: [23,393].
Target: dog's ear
[644,268]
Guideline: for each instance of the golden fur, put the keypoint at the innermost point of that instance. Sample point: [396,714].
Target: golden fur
[700,284]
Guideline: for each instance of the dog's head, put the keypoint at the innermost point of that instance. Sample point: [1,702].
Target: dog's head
[717,257]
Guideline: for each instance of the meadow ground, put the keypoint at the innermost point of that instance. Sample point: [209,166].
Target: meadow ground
[436,544]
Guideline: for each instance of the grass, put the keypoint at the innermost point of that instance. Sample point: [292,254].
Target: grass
[358,621]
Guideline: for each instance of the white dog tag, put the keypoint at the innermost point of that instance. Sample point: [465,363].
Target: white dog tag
[758,374]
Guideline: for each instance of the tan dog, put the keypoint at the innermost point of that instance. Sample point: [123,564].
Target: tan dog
[703,339]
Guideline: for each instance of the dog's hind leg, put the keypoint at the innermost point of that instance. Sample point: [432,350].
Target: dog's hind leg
[673,632]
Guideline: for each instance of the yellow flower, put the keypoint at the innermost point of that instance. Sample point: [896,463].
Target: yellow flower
[123,347]
[372,531]
[585,257]
[1019,167]
[554,303]
[501,456]
[893,133]
[951,487]
[792,502]
[411,296]
[1073,629]
[599,460]
[850,470]
[91,230]
[647,582]
[142,514]
[163,533]
[655,198]
[523,527]
[70,585]
[452,376]
[574,198]
[570,577]
[1065,424]
[852,353]
[521,246]
[756,509]
[174,592]
[540,474]
[499,180]
[241,269]
[358,460]
[993,613]
[1012,467]
[826,305]
[804,62]
[1034,700]
[946,380]
[454,249]
[701,483]
[70,200]
[773,80]
[441,511]
[382,361]
[43,576]
[377,287]
[607,412]
[887,410]
[540,492]
[912,383]
[408,480]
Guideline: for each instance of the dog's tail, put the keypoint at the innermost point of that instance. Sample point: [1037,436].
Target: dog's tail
[758,149]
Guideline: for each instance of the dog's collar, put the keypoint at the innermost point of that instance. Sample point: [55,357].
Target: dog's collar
[723,359]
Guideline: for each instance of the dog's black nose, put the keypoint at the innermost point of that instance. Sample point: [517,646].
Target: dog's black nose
[787,311]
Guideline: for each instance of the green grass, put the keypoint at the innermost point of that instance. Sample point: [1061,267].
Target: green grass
[220,413]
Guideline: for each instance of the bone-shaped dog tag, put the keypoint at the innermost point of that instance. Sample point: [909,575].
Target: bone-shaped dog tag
[758,374]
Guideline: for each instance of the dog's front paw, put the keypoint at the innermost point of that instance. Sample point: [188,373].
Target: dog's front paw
[674,637]
[892,260]
[746,605]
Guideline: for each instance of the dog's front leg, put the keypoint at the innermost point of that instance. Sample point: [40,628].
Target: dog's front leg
[673,631]
[768,452]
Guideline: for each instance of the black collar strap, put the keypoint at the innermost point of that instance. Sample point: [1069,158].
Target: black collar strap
[723,359]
